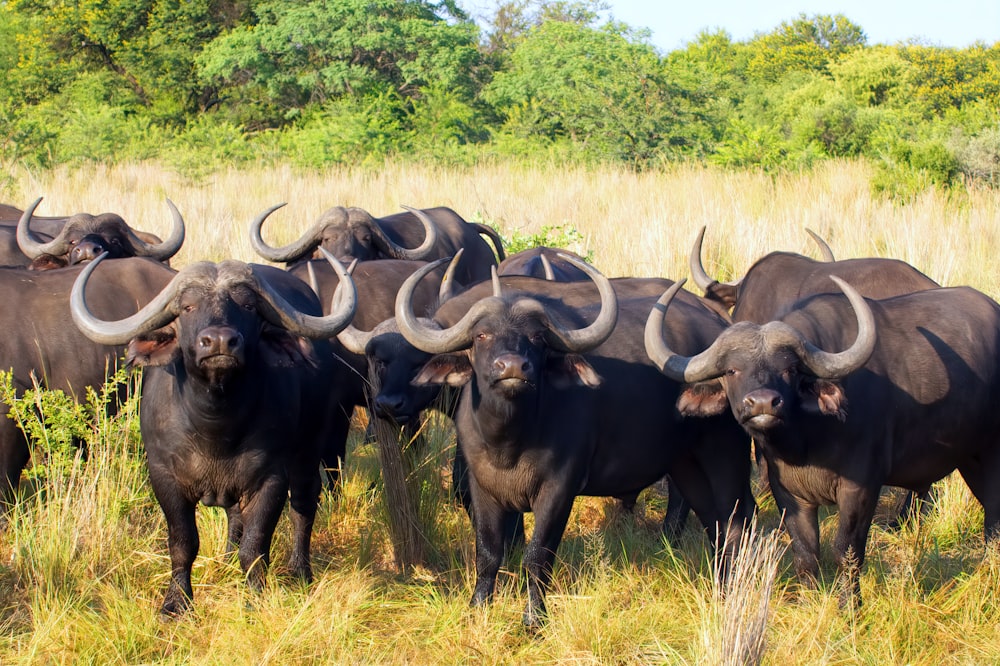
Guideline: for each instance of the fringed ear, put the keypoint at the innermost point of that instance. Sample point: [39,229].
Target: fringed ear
[451,369]
[47,262]
[722,293]
[824,397]
[703,399]
[565,370]
[153,349]
[283,349]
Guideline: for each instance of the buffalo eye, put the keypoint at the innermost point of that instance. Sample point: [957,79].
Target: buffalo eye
[789,373]
[731,372]
[482,337]
[189,307]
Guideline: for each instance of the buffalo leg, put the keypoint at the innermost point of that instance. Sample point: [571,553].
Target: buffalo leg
[489,522]
[234,531]
[802,521]
[856,507]
[551,508]
[678,509]
[304,487]
[984,487]
[260,516]
[14,456]
[182,542]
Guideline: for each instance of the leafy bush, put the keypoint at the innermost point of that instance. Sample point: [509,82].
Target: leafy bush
[56,424]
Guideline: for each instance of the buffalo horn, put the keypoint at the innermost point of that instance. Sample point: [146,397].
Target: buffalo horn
[707,364]
[152,316]
[30,245]
[418,253]
[824,248]
[698,274]
[344,304]
[166,249]
[293,251]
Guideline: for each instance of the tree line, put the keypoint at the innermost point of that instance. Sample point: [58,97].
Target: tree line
[198,83]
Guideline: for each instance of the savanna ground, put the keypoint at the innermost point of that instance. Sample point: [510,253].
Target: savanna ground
[83,562]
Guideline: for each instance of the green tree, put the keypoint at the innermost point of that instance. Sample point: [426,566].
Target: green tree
[804,44]
[600,90]
[309,52]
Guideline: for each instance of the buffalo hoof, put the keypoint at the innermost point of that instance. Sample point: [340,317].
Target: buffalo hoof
[175,605]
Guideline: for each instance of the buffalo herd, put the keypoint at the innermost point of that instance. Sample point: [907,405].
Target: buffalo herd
[841,376]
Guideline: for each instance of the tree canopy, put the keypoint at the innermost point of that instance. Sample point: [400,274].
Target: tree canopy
[326,81]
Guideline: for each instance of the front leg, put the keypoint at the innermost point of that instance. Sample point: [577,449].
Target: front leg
[260,516]
[305,485]
[856,509]
[234,531]
[182,542]
[489,521]
[801,520]
[551,508]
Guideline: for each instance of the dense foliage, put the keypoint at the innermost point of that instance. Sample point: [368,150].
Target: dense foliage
[321,82]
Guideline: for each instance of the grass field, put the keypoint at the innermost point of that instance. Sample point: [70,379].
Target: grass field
[83,562]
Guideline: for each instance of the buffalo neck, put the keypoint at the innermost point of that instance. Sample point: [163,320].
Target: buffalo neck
[505,423]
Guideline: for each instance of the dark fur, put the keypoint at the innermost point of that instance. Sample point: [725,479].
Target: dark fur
[562,425]
[923,405]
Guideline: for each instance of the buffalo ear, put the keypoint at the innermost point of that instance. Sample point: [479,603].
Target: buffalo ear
[703,399]
[823,397]
[450,369]
[47,262]
[153,349]
[283,349]
[566,370]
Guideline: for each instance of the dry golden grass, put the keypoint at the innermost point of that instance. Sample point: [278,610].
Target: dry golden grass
[84,564]
[635,224]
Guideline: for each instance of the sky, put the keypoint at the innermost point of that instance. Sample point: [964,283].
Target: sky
[955,23]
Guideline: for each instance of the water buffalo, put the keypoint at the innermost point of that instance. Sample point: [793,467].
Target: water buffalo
[779,279]
[234,409]
[543,262]
[539,422]
[912,396]
[83,237]
[40,340]
[352,233]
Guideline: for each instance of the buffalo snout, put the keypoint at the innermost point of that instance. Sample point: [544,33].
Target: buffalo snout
[392,407]
[763,406]
[223,341]
[511,366]
[87,249]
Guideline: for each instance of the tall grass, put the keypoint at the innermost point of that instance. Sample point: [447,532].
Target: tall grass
[83,561]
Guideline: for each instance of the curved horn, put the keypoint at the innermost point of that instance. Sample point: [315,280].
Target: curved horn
[152,316]
[835,365]
[354,339]
[418,253]
[584,339]
[30,245]
[824,249]
[547,267]
[684,369]
[698,274]
[166,249]
[426,338]
[447,289]
[824,365]
[345,300]
[287,253]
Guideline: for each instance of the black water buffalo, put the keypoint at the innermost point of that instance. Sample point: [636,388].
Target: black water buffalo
[543,262]
[540,423]
[779,279]
[41,341]
[352,233]
[83,237]
[371,344]
[912,397]
[234,408]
